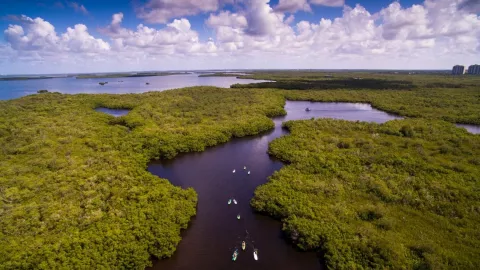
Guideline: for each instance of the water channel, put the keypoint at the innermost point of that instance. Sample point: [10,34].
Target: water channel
[215,232]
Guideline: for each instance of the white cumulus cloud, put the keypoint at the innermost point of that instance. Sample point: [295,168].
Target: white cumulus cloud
[330,3]
[175,37]
[161,11]
[37,39]
[292,6]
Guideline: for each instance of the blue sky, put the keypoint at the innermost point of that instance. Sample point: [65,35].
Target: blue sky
[100,11]
[223,34]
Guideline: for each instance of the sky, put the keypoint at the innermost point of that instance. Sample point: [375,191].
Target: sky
[60,36]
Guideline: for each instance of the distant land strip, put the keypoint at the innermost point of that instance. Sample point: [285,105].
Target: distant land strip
[122,75]
[25,78]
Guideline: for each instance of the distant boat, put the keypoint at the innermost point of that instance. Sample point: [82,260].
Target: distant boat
[255,255]
[234,201]
[233,171]
[229,201]
[147,83]
[244,167]
[238,216]
[248,172]
[307,109]
[244,246]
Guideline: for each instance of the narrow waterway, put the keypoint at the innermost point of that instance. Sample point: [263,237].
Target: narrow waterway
[215,232]
[474,129]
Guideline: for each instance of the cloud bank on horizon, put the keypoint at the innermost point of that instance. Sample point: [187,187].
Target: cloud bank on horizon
[434,34]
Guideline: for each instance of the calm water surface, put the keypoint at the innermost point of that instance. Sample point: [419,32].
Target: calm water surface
[214,233]
[16,89]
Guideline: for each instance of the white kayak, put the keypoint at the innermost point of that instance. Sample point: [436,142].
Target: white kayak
[248,172]
[233,171]
[234,201]
[255,256]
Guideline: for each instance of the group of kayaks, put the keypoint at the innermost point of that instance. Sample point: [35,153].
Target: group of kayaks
[244,247]
[244,167]
[235,202]
[233,199]
[244,244]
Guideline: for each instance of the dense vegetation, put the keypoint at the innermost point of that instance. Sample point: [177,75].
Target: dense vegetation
[401,195]
[123,75]
[74,192]
[344,83]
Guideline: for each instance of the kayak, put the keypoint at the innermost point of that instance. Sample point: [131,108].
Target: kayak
[243,245]
[234,201]
[233,171]
[238,216]
[255,255]
[235,254]
[248,172]
[244,167]
[229,201]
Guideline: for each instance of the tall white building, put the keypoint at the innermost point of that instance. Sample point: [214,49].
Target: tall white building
[474,70]
[458,70]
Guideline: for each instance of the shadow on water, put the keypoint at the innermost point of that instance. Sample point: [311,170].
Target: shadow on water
[215,232]
[114,112]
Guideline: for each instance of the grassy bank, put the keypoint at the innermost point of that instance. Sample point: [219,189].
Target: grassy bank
[74,192]
[401,195]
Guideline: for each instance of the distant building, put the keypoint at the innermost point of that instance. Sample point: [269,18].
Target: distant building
[458,70]
[474,70]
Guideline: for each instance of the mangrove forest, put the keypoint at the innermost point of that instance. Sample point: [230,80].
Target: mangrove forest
[75,192]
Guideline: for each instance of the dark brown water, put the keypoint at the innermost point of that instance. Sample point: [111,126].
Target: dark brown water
[215,232]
